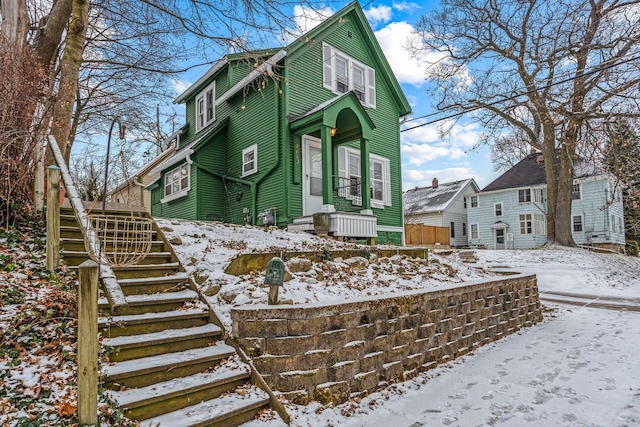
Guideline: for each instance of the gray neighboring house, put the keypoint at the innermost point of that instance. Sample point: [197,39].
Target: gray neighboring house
[441,205]
[511,211]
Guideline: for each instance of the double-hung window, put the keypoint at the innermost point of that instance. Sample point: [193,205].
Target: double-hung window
[176,182]
[350,181]
[576,193]
[342,74]
[250,160]
[540,224]
[524,195]
[577,224]
[473,229]
[205,107]
[498,209]
[526,224]
[537,195]
[473,201]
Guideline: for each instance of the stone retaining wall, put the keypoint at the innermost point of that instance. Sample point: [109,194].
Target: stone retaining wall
[328,352]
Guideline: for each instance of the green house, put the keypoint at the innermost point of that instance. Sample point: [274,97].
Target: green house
[276,136]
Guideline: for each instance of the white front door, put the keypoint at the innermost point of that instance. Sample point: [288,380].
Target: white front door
[311,175]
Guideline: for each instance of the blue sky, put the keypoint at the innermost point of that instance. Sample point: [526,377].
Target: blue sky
[424,154]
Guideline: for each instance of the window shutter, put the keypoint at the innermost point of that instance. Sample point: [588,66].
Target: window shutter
[387,182]
[327,66]
[343,173]
[371,85]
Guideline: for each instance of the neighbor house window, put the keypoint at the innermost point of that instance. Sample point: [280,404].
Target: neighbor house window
[341,73]
[250,160]
[473,229]
[526,224]
[524,195]
[176,182]
[350,177]
[473,201]
[577,223]
[613,223]
[537,195]
[575,193]
[498,209]
[464,228]
[205,107]
[453,229]
[540,224]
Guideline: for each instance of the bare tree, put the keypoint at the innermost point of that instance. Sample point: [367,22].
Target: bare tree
[556,71]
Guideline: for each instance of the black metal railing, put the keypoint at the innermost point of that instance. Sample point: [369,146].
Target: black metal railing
[347,194]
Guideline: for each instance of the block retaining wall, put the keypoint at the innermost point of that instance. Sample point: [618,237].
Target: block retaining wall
[329,352]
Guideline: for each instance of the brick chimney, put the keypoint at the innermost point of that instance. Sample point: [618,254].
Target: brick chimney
[434,183]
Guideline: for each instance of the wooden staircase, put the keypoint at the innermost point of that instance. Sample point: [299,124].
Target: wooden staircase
[167,362]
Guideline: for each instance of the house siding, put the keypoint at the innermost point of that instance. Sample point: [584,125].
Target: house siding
[306,90]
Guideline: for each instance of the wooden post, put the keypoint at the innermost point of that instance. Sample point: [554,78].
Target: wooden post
[53,217]
[273,295]
[88,343]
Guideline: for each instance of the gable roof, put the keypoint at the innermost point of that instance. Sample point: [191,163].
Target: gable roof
[354,12]
[529,172]
[430,200]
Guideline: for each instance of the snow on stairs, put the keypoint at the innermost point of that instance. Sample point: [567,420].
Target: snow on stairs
[167,363]
[468,257]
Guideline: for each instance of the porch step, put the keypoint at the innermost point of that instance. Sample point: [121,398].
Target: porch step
[147,303]
[151,401]
[147,270]
[116,326]
[229,410]
[168,341]
[73,258]
[468,256]
[77,245]
[148,285]
[151,370]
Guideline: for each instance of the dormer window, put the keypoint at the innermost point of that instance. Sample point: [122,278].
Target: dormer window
[205,107]
[341,74]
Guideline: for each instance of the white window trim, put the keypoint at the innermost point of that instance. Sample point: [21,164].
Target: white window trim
[579,184]
[521,221]
[581,222]
[477,225]
[538,192]
[343,172]
[202,96]
[329,54]
[470,204]
[539,219]
[247,150]
[495,213]
[183,191]
[525,190]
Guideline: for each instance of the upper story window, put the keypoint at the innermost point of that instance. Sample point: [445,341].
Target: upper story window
[473,201]
[524,195]
[341,73]
[498,209]
[575,193]
[537,195]
[205,107]
[250,160]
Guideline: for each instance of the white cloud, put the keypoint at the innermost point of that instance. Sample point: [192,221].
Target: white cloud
[180,85]
[421,178]
[377,15]
[305,20]
[406,6]
[393,38]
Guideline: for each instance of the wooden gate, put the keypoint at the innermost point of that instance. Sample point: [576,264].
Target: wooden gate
[420,234]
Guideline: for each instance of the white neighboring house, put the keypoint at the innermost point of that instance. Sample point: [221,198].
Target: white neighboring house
[441,205]
[511,211]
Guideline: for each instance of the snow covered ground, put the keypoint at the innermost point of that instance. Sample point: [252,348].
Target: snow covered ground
[579,367]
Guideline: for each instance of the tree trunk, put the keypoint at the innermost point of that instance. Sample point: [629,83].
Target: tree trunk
[15,21]
[50,32]
[69,71]
[564,225]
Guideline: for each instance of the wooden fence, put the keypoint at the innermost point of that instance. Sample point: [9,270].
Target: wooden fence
[419,234]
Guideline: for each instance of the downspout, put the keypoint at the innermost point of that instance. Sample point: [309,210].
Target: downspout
[254,189]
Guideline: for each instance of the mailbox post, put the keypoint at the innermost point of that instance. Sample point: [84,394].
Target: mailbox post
[274,278]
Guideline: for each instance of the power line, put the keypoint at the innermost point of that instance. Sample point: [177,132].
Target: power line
[510,98]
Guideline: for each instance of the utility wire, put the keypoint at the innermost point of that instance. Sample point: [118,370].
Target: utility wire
[510,98]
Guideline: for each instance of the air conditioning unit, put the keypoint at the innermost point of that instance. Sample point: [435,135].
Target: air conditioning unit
[509,237]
